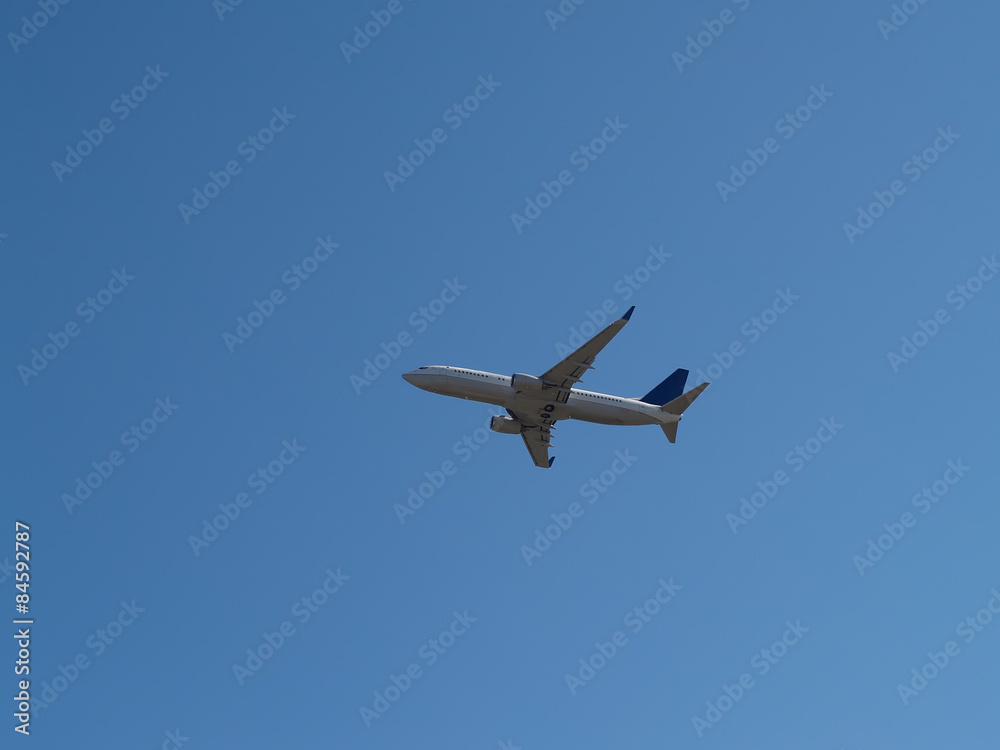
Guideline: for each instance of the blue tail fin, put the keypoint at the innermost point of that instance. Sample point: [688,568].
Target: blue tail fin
[668,390]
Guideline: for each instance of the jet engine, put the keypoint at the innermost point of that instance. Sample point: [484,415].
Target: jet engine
[521,382]
[506,425]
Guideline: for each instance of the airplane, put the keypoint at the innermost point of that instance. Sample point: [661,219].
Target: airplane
[536,403]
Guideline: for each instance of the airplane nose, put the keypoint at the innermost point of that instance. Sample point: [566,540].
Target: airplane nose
[410,377]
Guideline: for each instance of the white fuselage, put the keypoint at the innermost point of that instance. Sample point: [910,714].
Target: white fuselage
[491,388]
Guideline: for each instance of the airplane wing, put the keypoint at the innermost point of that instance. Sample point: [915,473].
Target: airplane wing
[537,439]
[570,371]
[559,380]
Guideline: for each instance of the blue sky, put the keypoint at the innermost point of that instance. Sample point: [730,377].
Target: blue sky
[228,229]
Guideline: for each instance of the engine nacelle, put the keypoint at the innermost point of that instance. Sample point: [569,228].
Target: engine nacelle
[521,382]
[506,425]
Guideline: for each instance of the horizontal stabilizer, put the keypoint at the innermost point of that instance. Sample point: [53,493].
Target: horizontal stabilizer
[670,430]
[679,404]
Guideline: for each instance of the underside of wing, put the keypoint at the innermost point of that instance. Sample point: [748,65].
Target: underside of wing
[540,408]
[537,436]
[571,370]
[537,439]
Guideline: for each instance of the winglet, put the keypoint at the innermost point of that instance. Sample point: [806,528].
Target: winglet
[552,460]
[628,314]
